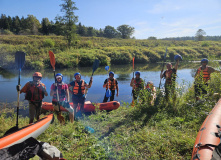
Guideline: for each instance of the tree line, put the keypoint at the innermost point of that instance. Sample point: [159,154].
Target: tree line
[32,26]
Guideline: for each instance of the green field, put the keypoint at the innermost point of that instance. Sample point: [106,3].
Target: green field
[108,51]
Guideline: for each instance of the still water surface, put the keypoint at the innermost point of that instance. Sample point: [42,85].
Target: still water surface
[123,73]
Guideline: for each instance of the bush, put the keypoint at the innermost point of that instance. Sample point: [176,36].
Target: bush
[6,32]
[49,43]
[205,44]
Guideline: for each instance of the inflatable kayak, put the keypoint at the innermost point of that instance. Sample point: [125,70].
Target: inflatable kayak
[206,136]
[31,130]
[88,106]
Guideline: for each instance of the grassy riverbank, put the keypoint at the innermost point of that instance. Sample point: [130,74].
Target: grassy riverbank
[166,130]
[108,51]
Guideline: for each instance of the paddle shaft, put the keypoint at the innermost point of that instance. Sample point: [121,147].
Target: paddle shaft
[18,98]
[133,67]
[163,66]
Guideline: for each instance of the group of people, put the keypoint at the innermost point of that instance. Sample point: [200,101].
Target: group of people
[35,90]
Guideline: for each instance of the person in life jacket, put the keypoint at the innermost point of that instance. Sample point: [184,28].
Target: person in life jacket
[170,75]
[112,83]
[152,90]
[34,92]
[61,89]
[137,84]
[77,89]
[202,78]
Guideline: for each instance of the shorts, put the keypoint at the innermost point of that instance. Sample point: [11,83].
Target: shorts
[78,99]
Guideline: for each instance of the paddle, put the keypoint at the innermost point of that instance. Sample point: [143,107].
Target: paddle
[52,60]
[19,60]
[164,60]
[133,66]
[108,92]
[95,66]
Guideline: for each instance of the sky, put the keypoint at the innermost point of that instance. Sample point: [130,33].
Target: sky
[158,18]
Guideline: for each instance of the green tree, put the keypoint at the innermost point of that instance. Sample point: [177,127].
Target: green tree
[152,38]
[4,22]
[125,31]
[110,32]
[91,32]
[45,26]
[81,30]
[200,35]
[69,18]
[16,24]
[32,24]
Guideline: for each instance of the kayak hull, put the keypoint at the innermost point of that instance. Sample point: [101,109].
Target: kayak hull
[206,134]
[31,130]
[88,106]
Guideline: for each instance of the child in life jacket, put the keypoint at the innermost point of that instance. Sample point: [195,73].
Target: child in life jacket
[60,93]
[152,90]
[137,84]
[112,84]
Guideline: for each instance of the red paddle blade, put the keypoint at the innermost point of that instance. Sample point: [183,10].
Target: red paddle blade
[133,62]
[52,59]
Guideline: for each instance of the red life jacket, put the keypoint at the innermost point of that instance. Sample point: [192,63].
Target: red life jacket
[137,85]
[35,92]
[203,73]
[76,87]
[61,92]
[112,84]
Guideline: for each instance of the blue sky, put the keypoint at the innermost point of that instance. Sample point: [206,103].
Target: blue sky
[159,18]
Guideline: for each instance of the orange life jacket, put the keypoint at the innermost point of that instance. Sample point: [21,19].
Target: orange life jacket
[112,84]
[35,92]
[137,85]
[203,73]
[76,87]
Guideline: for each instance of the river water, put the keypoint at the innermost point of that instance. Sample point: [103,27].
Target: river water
[123,73]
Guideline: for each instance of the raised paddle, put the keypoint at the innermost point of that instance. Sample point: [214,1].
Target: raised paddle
[164,60]
[133,66]
[20,61]
[95,66]
[52,60]
[108,92]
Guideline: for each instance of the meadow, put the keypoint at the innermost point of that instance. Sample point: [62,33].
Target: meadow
[108,51]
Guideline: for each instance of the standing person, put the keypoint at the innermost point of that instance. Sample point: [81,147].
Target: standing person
[202,77]
[35,91]
[77,89]
[137,84]
[170,76]
[152,90]
[112,83]
[62,89]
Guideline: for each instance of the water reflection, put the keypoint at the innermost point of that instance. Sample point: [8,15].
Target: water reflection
[123,73]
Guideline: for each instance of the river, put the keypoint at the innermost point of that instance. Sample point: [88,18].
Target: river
[123,74]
